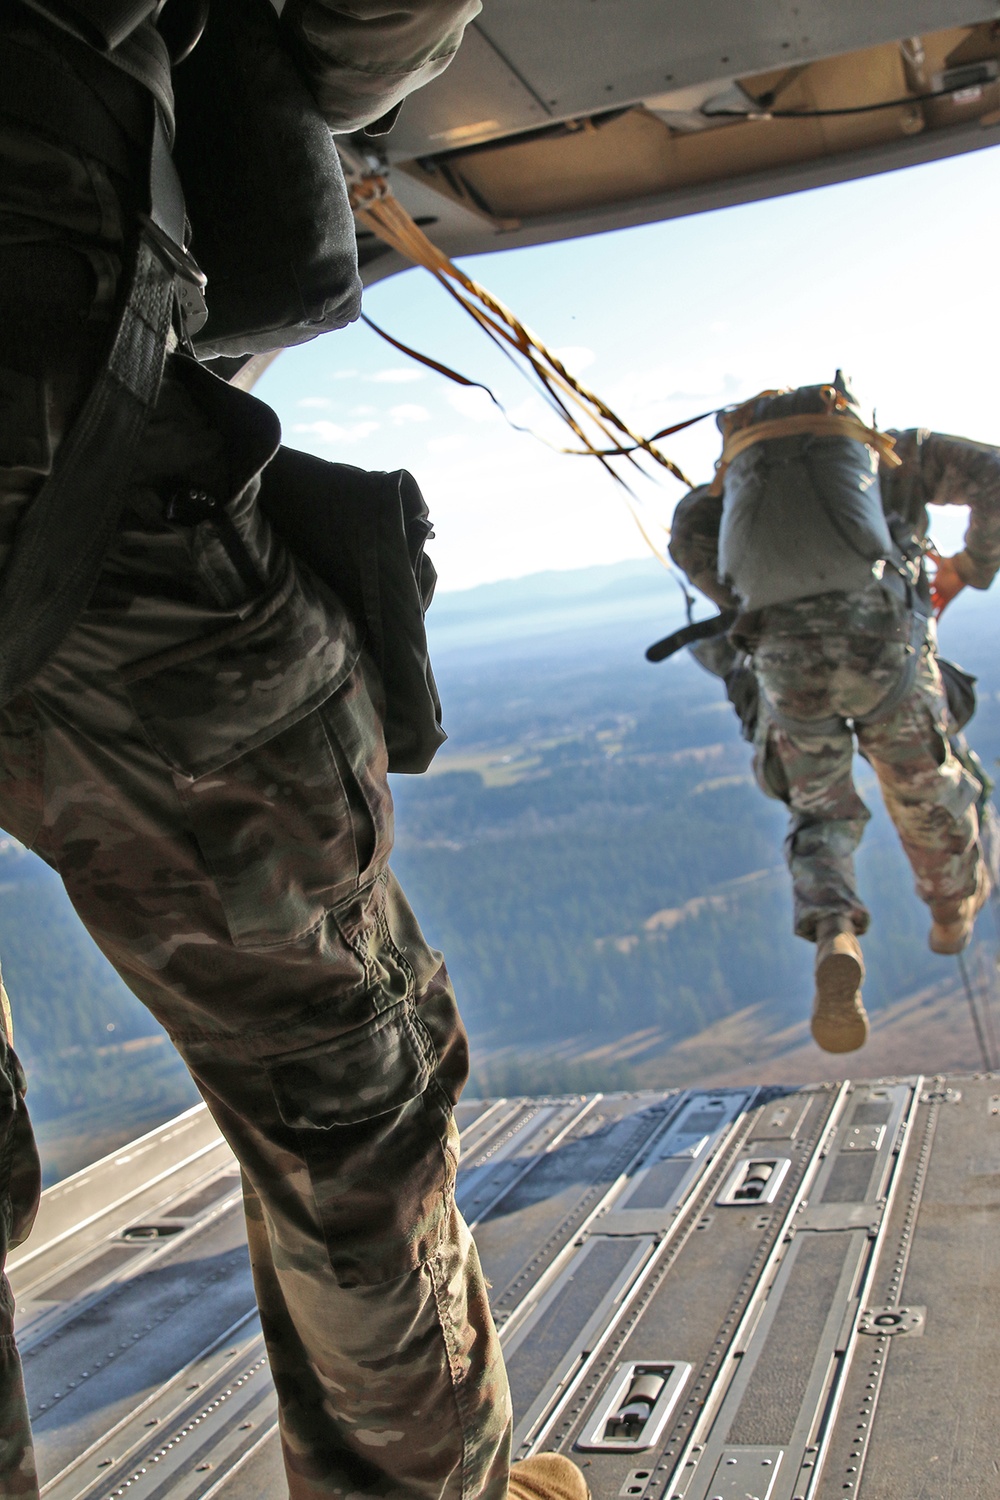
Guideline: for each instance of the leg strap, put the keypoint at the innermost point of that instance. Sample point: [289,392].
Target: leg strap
[896,695]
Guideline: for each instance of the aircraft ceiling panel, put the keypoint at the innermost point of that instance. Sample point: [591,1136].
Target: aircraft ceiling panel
[578,56]
[478,97]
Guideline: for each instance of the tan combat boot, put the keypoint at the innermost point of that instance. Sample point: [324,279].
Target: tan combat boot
[547,1476]
[952,923]
[839,1023]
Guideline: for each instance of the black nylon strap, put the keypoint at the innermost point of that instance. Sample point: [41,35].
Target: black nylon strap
[37,91]
[60,545]
[701,630]
[99,23]
[907,677]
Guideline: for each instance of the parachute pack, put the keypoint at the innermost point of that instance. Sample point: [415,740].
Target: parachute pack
[802,510]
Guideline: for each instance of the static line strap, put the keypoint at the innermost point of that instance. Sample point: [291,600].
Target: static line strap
[479,385]
[385,216]
[974,1012]
[476,385]
[695,630]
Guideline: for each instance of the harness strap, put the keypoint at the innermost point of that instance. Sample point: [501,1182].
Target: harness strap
[97,22]
[884,709]
[35,90]
[60,544]
[813,424]
[907,677]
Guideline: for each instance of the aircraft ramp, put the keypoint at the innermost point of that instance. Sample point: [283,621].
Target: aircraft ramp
[786,1294]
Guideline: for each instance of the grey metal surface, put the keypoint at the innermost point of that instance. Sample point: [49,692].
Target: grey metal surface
[771,1381]
[564,1320]
[705,1294]
[547,1211]
[612,1431]
[587,72]
[224,1390]
[459,230]
[80,1210]
[531,63]
[116,1347]
[143,1360]
[836,1341]
[919,1410]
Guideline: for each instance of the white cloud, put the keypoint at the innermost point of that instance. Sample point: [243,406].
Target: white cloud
[534,412]
[575,357]
[330,433]
[473,403]
[452,442]
[408,412]
[343,374]
[401,375]
[320,402]
[364,411]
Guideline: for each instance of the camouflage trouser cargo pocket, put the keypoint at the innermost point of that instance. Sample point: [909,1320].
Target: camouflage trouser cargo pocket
[278,758]
[373,1124]
[767,768]
[367,1073]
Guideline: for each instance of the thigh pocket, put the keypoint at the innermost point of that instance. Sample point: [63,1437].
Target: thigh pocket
[357,1077]
[372,1125]
[279,760]
[768,769]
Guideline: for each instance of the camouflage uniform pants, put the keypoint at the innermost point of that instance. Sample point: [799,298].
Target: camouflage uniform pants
[929,796]
[202,762]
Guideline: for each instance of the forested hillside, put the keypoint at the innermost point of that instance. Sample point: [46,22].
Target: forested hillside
[589,850]
[593,857]
[99,1068]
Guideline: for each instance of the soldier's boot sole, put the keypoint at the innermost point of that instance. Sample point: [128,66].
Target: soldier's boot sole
[547,1476]
[951,933]
[839,1022]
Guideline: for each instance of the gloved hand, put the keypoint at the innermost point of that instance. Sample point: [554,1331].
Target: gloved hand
[946,583]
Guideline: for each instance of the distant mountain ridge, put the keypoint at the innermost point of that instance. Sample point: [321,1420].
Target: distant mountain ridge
[553,603]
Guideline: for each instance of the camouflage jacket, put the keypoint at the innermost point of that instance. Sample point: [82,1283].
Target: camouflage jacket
[936,470]
[360,57]
[942,470]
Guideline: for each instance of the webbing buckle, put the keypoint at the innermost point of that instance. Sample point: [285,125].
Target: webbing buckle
[190,280]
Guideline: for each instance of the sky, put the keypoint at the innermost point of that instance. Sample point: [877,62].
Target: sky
[891,278]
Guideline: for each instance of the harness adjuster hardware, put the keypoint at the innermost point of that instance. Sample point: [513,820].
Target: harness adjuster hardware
[190,280]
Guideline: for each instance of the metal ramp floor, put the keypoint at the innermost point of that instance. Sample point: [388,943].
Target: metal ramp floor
[772,1294]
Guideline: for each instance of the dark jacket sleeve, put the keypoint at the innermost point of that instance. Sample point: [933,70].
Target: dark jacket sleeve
[362,57]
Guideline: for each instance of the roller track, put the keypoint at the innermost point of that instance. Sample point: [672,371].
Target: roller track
[137,1325]
[756,1259]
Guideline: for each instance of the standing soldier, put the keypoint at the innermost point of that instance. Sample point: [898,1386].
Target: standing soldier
[190,735]
[811,540]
